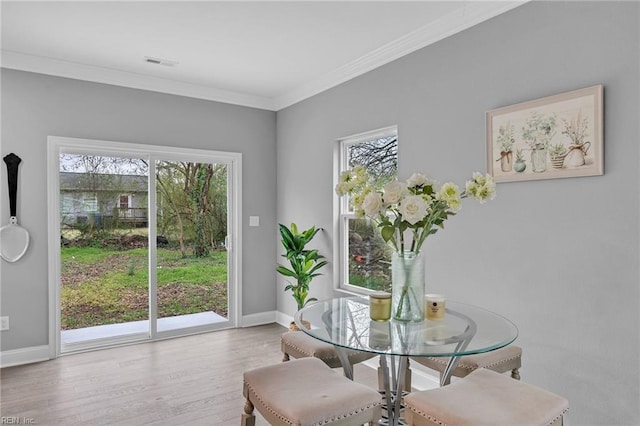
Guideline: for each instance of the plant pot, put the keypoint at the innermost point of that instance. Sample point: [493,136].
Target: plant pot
[576,155]
[557,162]
[407,291]
[519,166]
[294,327]
[506,158]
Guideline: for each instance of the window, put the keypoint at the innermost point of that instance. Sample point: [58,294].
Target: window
[124,202]
[90,202]
[365,259]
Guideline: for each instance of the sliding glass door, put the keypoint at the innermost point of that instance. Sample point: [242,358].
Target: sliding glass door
[144,242]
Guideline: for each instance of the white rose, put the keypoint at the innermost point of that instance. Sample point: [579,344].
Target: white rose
[394,191]
[417,179]
[413,209]
[372,204]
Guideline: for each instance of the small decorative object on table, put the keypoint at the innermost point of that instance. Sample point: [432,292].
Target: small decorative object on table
[380,306]
[418,206]
[435,307]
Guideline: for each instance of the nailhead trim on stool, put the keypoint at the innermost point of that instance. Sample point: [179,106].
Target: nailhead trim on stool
[298,344]
[307,392]
[485,397]
[501,360]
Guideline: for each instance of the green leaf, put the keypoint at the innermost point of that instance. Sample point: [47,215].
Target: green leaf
[387,233]
[311,299]
[285,271]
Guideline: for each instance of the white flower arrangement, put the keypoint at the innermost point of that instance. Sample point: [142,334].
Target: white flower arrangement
[419,204]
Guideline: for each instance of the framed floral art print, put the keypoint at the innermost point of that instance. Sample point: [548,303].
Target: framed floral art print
[557,136]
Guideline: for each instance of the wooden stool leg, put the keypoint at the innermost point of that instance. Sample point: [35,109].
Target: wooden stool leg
[248,418]
[380,379]
[285,357]
[515,373]
[407,379]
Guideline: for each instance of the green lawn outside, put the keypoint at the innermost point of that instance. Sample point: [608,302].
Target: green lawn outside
[105,286]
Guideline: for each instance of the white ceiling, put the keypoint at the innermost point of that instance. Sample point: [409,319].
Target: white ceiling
[262,54]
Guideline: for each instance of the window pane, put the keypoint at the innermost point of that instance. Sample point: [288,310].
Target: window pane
[369,261]
[369,257]
[379,156]
[103,250]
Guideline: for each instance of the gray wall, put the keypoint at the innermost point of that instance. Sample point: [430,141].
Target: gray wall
[35,106]
[558,257]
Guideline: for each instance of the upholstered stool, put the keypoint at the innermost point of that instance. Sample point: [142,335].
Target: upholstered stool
[501,360]
[307,392]
[485,397]
[298,344]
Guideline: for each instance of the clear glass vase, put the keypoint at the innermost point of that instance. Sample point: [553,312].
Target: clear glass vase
[539,160]
[407,291]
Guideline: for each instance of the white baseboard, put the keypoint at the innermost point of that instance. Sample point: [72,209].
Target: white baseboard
[41,353]
[24,356]
[259,319]
[283,319]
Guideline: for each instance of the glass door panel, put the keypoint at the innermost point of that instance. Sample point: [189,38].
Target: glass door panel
[103,251]
[191,222]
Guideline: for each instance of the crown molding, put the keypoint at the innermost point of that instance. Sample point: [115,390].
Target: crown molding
[469,14]
[78,71]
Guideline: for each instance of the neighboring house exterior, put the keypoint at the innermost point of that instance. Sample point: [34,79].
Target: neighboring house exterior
[103,199]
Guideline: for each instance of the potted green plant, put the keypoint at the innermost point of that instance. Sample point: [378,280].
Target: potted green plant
[519,166]
[538,132]
[577,130]
[557,153]
[505,140]
[303,263]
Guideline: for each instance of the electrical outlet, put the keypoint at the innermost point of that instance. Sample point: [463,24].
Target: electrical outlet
[4,323]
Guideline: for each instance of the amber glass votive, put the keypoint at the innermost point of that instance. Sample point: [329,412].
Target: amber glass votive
[380,306]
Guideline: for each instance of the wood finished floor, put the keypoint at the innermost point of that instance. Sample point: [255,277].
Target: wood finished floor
[195,380]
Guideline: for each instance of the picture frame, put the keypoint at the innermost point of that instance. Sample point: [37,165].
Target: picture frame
[557,136]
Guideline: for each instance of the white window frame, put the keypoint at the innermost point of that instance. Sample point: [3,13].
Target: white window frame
[90,202]
[342,213]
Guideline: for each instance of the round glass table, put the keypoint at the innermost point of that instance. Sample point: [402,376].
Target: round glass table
[345,323]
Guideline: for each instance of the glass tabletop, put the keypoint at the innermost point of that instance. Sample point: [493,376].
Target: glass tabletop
[465,330]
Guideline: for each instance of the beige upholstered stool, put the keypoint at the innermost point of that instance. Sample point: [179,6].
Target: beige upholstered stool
[485,397]
[501,360]
[298,344]
[307,392]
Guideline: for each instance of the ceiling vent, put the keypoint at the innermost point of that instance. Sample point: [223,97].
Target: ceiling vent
[158,61]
